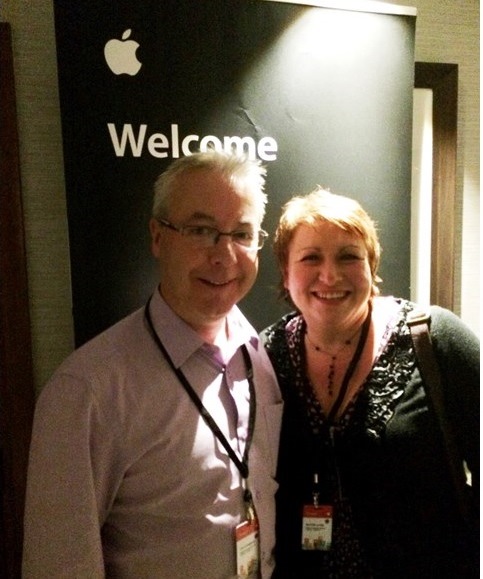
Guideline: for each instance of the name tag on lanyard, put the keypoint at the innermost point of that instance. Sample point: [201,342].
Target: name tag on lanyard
[247,549]
[317,527]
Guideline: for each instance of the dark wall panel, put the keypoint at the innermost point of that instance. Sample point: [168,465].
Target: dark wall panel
[332,89]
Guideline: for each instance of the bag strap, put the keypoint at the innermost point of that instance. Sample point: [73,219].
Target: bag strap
[418,322]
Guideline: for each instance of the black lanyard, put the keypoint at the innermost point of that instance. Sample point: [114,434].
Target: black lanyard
[332,472]
[351,368]
[242,465]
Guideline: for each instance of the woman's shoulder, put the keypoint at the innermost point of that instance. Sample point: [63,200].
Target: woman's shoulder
[275,333]
[387,307]
[449,334]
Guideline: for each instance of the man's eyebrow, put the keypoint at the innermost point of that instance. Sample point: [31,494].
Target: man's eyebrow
[201,215]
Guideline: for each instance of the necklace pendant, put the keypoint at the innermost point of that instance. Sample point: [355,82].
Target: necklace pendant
[330,376]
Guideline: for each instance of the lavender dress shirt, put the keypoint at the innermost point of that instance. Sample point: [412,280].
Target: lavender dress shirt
[125,478]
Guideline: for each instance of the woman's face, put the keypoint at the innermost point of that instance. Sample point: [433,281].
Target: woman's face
[328,275]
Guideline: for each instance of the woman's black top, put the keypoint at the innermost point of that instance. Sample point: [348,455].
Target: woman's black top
[382,464]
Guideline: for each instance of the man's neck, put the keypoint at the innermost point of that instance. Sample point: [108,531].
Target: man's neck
[216,334]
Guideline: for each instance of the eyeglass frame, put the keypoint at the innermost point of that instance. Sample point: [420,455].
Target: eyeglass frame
[262,234]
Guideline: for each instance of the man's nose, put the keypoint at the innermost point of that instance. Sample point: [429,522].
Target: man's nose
[224,249]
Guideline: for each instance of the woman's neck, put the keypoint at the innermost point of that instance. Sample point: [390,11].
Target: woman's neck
[331,338]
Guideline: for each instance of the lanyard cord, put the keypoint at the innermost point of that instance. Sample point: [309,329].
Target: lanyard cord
[330,441]
[351,368]
[242,465]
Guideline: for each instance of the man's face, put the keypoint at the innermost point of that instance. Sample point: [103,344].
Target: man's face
[202,284]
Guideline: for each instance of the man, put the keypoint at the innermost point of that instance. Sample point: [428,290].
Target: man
[155,445]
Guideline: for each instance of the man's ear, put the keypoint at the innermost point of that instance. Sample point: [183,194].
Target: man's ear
[155,230]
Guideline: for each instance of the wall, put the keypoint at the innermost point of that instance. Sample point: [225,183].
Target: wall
[42,177]
[447,31]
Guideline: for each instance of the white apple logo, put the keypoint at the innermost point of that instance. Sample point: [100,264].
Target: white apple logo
[120,55]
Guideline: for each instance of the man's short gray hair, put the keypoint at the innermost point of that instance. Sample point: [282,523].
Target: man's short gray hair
[238,169]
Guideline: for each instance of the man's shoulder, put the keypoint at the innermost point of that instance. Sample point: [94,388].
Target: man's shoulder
[118,342]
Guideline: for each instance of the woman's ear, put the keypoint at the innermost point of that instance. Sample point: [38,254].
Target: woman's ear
[284,273]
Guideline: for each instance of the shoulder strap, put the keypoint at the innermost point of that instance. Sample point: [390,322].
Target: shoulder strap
[418,324]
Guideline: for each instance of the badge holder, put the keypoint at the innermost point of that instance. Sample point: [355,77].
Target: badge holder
[317,523]
[247,542]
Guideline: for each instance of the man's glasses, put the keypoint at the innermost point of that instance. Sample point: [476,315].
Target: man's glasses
[203,236]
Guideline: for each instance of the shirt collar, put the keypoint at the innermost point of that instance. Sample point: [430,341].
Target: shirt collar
[181,341]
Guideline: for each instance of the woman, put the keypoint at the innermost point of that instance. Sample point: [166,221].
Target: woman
[365,489]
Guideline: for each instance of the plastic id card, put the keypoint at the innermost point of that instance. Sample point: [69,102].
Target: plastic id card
[317,528]
[247,549]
